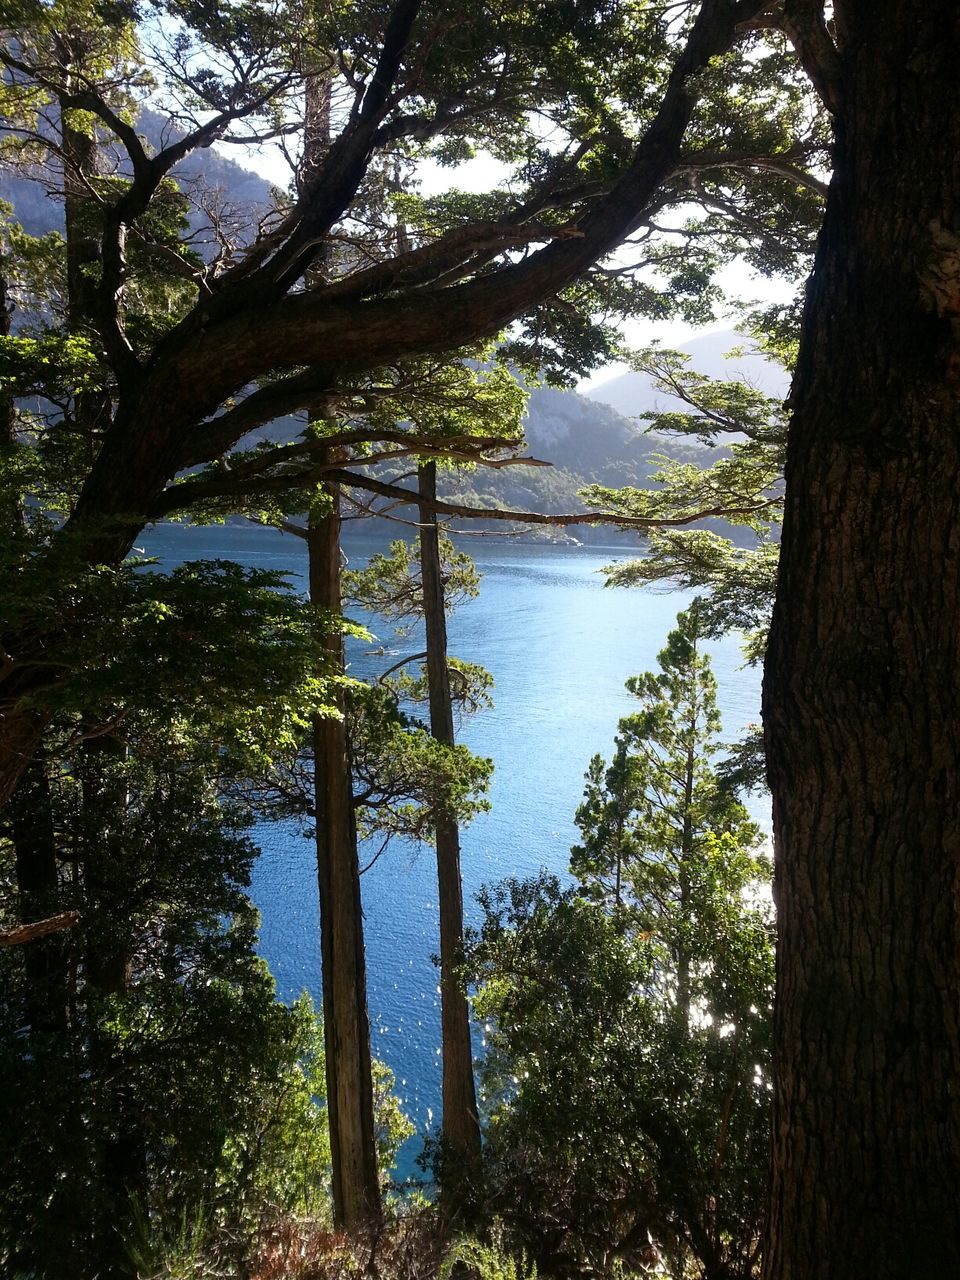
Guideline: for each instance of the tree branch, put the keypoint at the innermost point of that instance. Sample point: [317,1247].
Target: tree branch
[310,390]
[806,28]
[248,479]
[21,933]
[239,344]
[338,178]
[350,479]
[699,161]
[233,339]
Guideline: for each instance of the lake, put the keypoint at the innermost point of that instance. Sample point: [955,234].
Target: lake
[560,646]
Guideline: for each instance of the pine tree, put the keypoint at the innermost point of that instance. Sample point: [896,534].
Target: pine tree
[629,1018]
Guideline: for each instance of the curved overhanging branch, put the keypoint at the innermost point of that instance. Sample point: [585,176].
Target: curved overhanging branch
[225,348]
[350,479]
[250,479]
[782,166]
[311,390]
[235,346]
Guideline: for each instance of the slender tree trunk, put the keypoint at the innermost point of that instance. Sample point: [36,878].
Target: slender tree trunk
[80,155]
[862,686]
[356,1182]
[683,877]
[38,887]
[107,958]
[10,508]
[461,1128]
[356,1188]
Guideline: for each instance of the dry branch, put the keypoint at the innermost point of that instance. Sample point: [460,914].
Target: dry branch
[38,929]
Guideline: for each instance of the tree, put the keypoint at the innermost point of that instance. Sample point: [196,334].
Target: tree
[861,690]
[148,1046]
[629,1018]
[743,487]
[238,347]
[356,1191]
[461,1127]
[175,1092]
[412,584]
[372,771]
[661,793]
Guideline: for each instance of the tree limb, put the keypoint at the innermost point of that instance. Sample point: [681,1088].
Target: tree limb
[350,479]
[248,479]
[21,933]
[698,161]
[806,28]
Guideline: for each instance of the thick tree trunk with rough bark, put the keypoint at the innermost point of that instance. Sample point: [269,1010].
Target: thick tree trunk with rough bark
[356,1191]
[461,1128]
[862,687]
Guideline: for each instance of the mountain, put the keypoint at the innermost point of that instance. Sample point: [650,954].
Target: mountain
[600,437]
[40,211]
[634,393]
[585,442]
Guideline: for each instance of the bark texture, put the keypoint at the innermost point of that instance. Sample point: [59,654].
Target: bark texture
[356,1191]
[461,1128]
[861,692]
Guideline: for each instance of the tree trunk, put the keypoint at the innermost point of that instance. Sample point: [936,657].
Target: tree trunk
[80,155]
[356,1189]
[109,940]
[10,505]
[683,879]
[38,891]
[461,1128]
[862,696]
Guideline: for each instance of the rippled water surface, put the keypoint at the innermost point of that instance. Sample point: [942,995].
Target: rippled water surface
[560,646]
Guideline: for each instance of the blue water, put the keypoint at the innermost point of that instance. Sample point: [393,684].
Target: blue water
[560,646]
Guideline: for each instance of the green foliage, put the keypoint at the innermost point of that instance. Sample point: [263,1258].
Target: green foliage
[470,686]
[180,1109]
[486,1261]
[177,1106]
[391,1127]
[740,581]
[627,1019]
[390,584]
[228,656]
[174,1073]
[460,396]
[745,488]
[177,1082]
[660,791]
[403,776]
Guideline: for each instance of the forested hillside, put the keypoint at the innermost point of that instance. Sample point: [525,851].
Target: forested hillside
[585,441]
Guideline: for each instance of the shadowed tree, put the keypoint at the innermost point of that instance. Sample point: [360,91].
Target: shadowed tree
[861,690]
